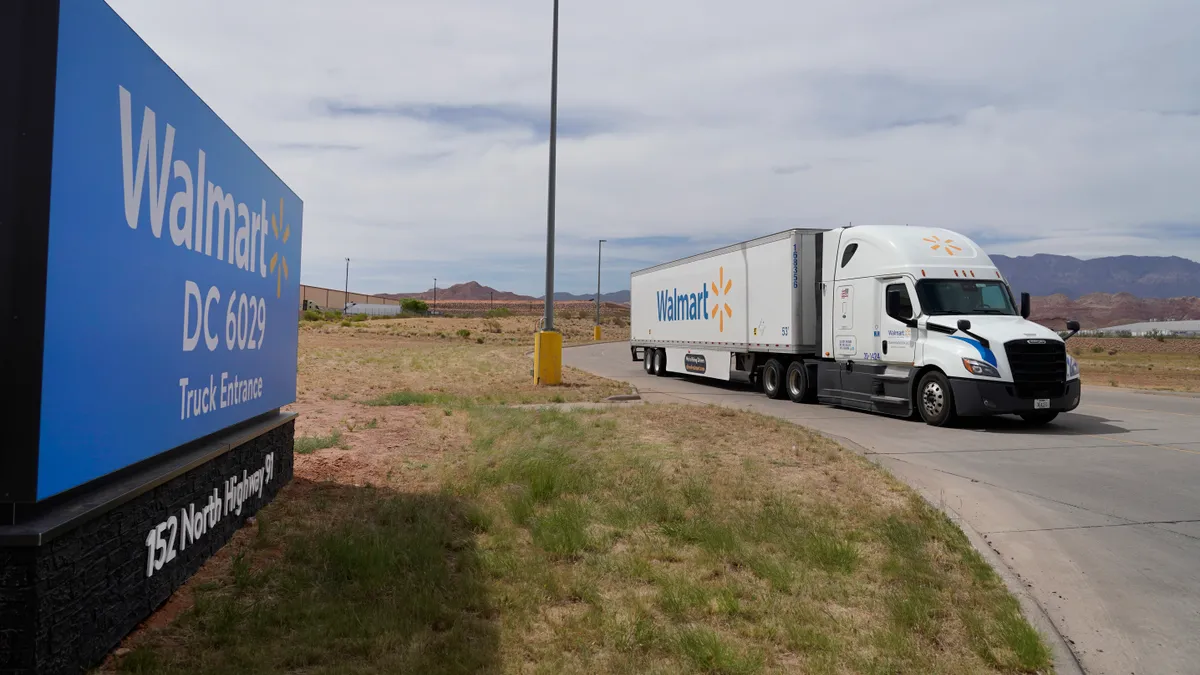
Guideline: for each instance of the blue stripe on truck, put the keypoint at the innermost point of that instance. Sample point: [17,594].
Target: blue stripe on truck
[984,352]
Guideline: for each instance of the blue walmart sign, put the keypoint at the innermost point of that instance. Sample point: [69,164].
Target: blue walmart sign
[173,264]
[676,306]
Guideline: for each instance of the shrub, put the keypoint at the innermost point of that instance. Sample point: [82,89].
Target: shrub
[313,315]
[414,305]
[498,312]
[493,326]
[464,333]
[479,340]
[332,315]
[359,317]
[1097,349]
[346,323]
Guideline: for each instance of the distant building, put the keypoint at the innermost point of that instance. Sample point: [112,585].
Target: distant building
[374,310]
[1144,328]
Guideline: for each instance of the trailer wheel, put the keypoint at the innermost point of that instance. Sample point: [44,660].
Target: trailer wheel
[648,360]
[799,385]
[935,399]
[772,379]
[660,362]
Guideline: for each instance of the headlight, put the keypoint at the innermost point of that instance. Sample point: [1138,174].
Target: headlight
[1072,367]
[980,368]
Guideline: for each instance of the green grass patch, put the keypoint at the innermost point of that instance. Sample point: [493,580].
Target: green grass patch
[369,582]
[632,540]
[708,653]
[306,445]
[403,398]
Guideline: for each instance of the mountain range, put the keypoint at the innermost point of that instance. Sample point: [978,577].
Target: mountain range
[1101,310]
[474,291]
[471,290]
[1099,292]
[1141,276]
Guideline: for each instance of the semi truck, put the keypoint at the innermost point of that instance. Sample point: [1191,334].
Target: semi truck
[907,321]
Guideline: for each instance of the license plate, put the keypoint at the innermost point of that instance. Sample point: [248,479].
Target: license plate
[1041,403]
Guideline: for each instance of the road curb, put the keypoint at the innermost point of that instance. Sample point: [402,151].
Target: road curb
[1065,660]
[1151,392]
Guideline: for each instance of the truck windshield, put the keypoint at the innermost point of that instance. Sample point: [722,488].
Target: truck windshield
[963,296]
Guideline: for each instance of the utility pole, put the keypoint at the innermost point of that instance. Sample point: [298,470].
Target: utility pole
[599,254]
[549,326]
[547,346]
[597,332]
[435,294]
[346,305]
[491,299]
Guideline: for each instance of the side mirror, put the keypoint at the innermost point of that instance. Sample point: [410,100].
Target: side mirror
[1073,326]
[965,326]
[1025,306]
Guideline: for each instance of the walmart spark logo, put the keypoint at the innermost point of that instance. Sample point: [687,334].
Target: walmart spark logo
[676,306]
[279,266]
[947,246]
[722,288]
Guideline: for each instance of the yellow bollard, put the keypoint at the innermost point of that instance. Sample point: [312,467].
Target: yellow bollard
[596,336]
[547,357]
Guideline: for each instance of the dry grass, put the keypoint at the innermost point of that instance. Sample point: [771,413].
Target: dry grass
[1111,365]
[510,330]
[342,365]
[448,536]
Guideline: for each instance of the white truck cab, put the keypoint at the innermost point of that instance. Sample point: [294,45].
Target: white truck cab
[922,315]
[907,321]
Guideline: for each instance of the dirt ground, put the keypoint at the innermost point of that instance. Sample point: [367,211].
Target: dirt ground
[513,330]
[1139,363]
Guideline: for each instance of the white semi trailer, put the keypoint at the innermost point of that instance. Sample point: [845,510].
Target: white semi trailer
[905,321]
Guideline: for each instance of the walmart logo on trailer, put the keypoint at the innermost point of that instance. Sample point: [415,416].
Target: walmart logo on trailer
[673,306]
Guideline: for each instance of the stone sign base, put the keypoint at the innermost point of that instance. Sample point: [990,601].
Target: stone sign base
[79,574]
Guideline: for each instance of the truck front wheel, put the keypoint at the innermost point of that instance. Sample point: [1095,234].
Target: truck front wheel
[935,400]
[772,379]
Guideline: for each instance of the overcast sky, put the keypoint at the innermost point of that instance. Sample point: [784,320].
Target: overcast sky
[416,131]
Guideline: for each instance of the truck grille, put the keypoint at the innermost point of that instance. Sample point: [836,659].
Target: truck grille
[1039,367]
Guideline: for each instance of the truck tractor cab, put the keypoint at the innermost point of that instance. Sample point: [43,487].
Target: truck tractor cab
[920,322]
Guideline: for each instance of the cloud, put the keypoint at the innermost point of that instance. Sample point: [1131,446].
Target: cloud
[416,131]
[482,118]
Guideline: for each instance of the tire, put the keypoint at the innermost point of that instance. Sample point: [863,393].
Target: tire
[798,383]
[648,360]
[773,379]
[1037,419]
[935,399]
[660,362]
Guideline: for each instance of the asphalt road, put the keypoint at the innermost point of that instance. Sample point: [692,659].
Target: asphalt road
[1098,514]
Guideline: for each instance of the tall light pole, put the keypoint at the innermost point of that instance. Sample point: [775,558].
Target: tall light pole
[346,305]
[547,346]
[553,171]
[599,254]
